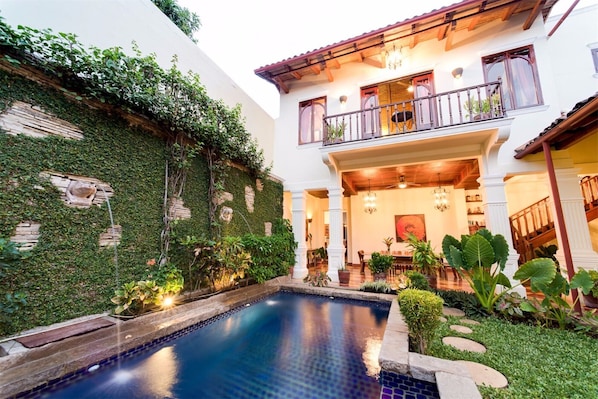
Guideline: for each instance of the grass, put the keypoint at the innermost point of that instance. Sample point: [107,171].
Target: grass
[538,362]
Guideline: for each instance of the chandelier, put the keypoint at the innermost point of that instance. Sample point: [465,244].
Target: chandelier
[440,197]
[394,58]
[369,201]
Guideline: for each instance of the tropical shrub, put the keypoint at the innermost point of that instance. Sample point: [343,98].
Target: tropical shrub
[379,263]
[466,301]
[544,278]
[379,286]
[318,279]
[135,297]
[417,280]
[425,260]
[421,311]
[480,260]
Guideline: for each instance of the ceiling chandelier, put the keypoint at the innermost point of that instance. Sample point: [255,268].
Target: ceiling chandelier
[369,201]
[440,197]
[394,58]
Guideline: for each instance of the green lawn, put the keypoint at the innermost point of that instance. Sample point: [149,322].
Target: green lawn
[538,362]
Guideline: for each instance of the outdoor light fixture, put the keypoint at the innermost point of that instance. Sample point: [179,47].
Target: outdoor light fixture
[343,99]
[440,197]
[457,73]
[369,201]
[402,183]
[394,58]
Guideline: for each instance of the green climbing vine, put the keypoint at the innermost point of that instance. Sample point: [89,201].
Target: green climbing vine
[70,275]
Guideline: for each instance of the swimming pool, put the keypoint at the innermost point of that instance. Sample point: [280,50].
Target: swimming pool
[285,346]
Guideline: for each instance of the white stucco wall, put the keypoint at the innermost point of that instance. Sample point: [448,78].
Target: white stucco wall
[109,23]
[564,81]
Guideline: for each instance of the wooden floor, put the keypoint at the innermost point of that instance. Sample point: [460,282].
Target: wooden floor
[449,281]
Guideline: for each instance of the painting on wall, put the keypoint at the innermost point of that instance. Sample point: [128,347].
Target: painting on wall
[405,224]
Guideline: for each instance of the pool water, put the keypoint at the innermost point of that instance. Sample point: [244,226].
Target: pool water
[285,346]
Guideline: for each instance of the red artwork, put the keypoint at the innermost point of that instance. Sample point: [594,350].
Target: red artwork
[406,224]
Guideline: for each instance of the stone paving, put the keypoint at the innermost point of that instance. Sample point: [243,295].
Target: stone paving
[481,374]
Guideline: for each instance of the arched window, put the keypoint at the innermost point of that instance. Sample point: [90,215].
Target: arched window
[517,71]
[311,120]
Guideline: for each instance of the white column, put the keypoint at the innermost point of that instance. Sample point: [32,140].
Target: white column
[336,249]
[497,220]
[576,223]
[298,212]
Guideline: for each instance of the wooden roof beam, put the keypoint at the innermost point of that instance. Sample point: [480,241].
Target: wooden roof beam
[449,37]
[478,16]
[533,14]
[509,11]
[281,85]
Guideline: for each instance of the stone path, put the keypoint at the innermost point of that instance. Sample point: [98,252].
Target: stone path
[481,374]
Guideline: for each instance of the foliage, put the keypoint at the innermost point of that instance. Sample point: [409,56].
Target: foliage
[483,106]
[318,279]
[272,256]
[11,301]
[421,311]
[379,263]
[379,286]
[335,132]
[388,242]
[590,281]
[424,258]
[69,275]
[548,252]
[466,301]
[564,363]
[185,20]
[543,277]
[136,297]
[417,280]
[137,83]
[480,259]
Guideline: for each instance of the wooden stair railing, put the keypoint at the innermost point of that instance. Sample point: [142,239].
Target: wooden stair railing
[534,226]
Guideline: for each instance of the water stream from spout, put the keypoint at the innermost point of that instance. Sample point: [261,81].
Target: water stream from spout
[117,277]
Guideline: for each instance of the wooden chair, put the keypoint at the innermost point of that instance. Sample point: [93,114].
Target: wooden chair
[362,261]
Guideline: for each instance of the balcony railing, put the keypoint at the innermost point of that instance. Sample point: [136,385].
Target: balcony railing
[468,105]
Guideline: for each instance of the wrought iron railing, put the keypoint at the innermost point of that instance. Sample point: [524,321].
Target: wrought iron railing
[468,105]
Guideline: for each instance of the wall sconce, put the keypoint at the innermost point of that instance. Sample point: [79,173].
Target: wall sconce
[309,220]
[457,73]
[343,99]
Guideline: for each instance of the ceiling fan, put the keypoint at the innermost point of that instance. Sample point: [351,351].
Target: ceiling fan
[402,183]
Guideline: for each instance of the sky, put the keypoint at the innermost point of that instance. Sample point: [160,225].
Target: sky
[243,35]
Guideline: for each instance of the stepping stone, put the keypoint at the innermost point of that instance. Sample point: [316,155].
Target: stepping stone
[469,321]
[484,375]
[452,312]
[442,319]
[461,329]
[464,344]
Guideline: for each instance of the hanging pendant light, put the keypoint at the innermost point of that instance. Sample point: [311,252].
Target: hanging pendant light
[440,197]
[394,58]
[369,201]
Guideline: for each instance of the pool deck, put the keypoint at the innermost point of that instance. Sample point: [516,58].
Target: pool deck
[24,369]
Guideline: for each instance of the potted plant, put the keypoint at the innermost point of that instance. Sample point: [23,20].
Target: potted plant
[344,275]
[335,133]
[482,108]
[320,254]
[388,242]
[424,259]
[379,265]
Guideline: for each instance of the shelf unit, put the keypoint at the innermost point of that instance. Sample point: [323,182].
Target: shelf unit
[475,211]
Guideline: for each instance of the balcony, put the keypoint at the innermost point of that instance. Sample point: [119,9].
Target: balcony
[458,107]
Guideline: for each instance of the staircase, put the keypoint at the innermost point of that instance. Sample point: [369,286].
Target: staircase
[533,226]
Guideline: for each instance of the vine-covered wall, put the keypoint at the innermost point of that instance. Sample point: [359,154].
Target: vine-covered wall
[68,274]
